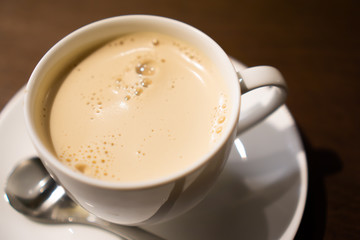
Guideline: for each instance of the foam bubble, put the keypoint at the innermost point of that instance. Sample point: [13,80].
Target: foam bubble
[138,91]
[145,68]
[145,82]
[155,42]
[81,167]
[221,119]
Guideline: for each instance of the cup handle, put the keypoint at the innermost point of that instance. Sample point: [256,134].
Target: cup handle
[257,77]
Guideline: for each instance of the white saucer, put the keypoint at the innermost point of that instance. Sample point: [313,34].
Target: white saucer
[260,195]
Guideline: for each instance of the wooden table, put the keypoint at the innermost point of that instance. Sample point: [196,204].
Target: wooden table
[316,45]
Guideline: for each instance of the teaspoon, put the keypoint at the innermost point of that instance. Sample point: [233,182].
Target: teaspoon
[33,192]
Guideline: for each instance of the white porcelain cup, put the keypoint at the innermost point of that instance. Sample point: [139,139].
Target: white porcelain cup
[164,198]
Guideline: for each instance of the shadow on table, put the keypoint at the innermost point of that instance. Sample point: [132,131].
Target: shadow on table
[321,163]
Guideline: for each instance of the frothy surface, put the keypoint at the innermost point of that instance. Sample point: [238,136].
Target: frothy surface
[141,107]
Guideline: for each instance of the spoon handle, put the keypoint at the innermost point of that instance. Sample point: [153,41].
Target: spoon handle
[127,232]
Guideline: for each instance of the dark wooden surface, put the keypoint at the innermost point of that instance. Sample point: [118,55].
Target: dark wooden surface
[314,43]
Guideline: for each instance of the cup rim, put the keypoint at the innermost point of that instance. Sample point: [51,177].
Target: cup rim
[50,158]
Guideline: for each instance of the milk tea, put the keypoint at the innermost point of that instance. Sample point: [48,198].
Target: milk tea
[141,107]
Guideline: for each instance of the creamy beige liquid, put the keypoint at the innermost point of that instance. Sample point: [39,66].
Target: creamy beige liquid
[141,107]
